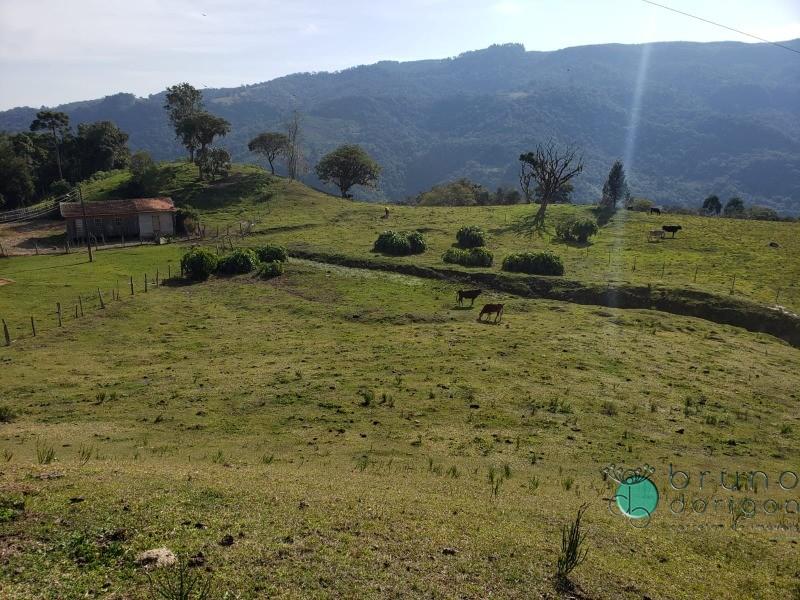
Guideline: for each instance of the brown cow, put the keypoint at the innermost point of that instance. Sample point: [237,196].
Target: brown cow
[469,295]
[492,309]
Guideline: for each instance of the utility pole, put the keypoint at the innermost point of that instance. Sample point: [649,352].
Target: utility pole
[85,225]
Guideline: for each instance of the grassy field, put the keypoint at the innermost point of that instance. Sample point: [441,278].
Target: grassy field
[706,255]
[349,442]
[357,435]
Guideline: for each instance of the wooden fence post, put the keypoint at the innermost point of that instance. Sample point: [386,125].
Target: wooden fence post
[100,296]
[80,303]
[76,311]
[778,293]
[156,277]
[695,274]
[2,250]
[36,247]
[58,312]
[66,245]
[33,326]
[145,282]
[132,292]
[634,264]
[6,334]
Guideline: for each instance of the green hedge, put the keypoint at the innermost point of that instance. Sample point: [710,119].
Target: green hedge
[268,270]
[474,257]
[238,261]
[471,236]
[400,243]
[576,229]
[268,254]
[534,263]
[198,264]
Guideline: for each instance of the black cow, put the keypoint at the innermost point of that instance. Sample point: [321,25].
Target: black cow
[673,229]
[469,295]
[654,210]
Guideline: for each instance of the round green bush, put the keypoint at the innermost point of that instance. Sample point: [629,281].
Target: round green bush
[198,264]
[270,269]
[534,263]
[399,243]
[471,236]
[474,257]
[272,253]
[576,229]
[239,261]
[416,243]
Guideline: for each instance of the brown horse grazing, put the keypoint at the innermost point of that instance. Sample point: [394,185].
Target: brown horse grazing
[492,309]
[469,295]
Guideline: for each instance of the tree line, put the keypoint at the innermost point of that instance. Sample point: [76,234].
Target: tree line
[51,157]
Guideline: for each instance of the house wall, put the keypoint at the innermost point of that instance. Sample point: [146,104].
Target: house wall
[146,224]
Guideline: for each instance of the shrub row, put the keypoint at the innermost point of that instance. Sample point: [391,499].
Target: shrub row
[474,257]
[400,243]
[575,229]
[199,263]
[534,263]
[470,236]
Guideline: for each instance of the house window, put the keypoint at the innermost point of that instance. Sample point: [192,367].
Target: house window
[117,223]
[98,224]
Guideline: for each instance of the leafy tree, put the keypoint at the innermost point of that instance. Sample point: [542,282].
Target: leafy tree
[270,145]
[762,213]
[549,168]
[101,146]
[504,195]
[347,166]
[57,123]
[198,130]
[615,188]
[16,180]
[712,205]
[213,162]
[734,207]
[182,102]
[461,192]
[144,175]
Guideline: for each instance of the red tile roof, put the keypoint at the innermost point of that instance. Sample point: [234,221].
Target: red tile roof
[117,208]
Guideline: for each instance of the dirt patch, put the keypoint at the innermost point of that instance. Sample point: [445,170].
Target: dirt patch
[5,281]
[25,237]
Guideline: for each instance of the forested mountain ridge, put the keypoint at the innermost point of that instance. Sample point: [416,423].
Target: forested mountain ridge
[719,118]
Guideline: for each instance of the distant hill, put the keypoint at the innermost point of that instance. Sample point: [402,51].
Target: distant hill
[718,118]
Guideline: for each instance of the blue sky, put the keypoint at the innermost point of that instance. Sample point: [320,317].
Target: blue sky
[54,51]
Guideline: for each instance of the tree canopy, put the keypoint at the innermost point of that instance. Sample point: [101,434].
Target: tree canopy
[712,205]
[270,145]
[347,166]
[615,187]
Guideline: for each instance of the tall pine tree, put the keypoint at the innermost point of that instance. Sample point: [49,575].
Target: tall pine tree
[615,188]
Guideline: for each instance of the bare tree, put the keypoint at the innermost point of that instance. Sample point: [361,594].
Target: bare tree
[295,160]
[547,169]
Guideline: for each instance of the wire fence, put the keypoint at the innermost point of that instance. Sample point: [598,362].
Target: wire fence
[86,304]
[35,211]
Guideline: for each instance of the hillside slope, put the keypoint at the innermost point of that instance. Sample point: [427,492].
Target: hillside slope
[706,255]
[714,118]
